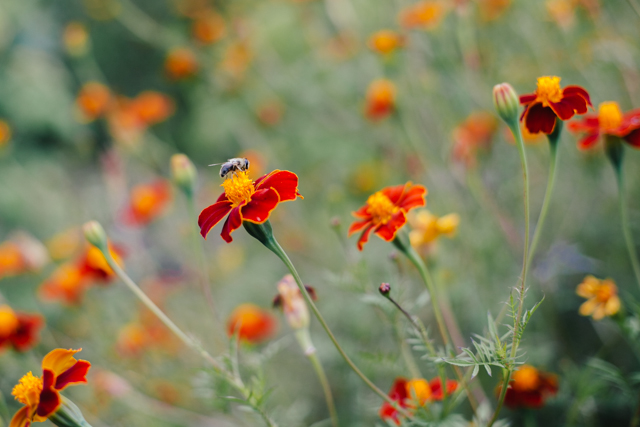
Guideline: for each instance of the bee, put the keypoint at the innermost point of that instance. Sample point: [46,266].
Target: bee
[233,166]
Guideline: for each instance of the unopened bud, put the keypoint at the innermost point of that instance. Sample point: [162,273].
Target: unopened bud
[292,303]
[184,173]
[335,222]
[94,233]
[384,289]
[68,415]
[505,99]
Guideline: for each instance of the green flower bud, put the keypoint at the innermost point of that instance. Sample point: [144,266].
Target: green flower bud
[95,234]
[505,99]
[183,173]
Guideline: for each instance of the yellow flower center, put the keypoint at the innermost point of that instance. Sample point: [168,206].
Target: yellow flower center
[8,321]
[27,391]
[605,291]
[419,390]
[609,115]
[239,188]
[380,208]
[526,378]
[549,90]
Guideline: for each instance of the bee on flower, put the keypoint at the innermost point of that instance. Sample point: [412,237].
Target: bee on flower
[18,330]
[386,42]
[410,394]
[529,388]
[424,15]
[380,100]
[147,202]
[602,297]
[609,121]
[181,64]
[426,228]
[252,324]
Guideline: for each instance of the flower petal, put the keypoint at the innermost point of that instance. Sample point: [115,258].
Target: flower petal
[388,231]
[564,108]
[284,182]
[633,138]
[212,215]
[364,237]
[395,193]
[26,334]
[413,197]
[77,374]
[260,207]
[21,418]
[586,124]
[233,222]
[528,98]
[59,360]
[540,119]
[588,307]
[577,102]
[577,90]
[49,397]
[358,225]
[362,212]
[589,141]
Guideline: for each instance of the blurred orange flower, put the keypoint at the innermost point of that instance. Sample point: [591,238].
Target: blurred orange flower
[147,202]
[609,121]
[19,330]
[491,10]
[236,59]
[380,99]
[93,101]
[181,63]
[385,211]
[270,113]
[21,254]
[386,41]
[426,15]
[5,133]
[152,107]
[251,323]
[473,135]
[529,388]
[408,393]
[75,39]
[427,227]
[208,27]
[602,297]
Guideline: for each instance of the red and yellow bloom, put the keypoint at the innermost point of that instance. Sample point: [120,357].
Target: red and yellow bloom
[147,202]
[609,121]
[181,63]
[411,393]
[251,323]
[529,388]
[385,211]
[18,330]
[549,102]
[245,200]
[380,99]
[40,395]
[602,297]
[386,41]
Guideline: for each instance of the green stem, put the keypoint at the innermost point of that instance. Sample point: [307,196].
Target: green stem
[626,230]
[322,377]
[503,393]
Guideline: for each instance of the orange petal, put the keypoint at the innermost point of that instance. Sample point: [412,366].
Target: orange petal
[59,360]
[21,418]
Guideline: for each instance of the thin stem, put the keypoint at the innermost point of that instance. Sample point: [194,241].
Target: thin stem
[322,377]
[626,230]
[277,249]
[545,204]
[503,393]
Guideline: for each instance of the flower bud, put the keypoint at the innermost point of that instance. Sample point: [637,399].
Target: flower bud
[293,305]
[384,289]
[505,99]
[184,173]
[68,415]
[94,233]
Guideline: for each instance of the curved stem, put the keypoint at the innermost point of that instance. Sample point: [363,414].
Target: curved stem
[503,393]
[322,377]
[626,230]
[545,204]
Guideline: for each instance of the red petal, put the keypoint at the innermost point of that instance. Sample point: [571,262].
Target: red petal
[395,193]
[589,141]
[49,397]
[528,98]
[362,212]
[633,138]
[358,225]
[564,109]
[77,374]
[389,413]
[233,222]
[222,197]
[261,204]
[413,197]
[540,119]
[364,237]
[588,123]
[577,90]
[398,391]
[212,215]
[388,231]
[284,182]
[524,112]
[578,103]
[27,333]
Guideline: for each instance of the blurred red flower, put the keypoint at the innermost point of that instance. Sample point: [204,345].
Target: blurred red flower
[251,323]
[529,388]
[180,64]
[380,99]
[609,121]
[409,393]
[19,330]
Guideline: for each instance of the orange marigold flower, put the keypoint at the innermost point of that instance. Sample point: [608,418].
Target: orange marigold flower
[427,228]
[385,211]
[549,102]
[245,200]
[94,266]
[181,64]
[75,38]
[425,15]
[208,27]
[5,133]
[40,395]
[147,202]
[491,10]
[609,121]
[132,340]
[602,297]
[251,323]
[386,41]
[66,283]
[408,393]
[380,99]
[473,135]
[152,107]
[529,388]
[93,100]
[19,330]
[22,253]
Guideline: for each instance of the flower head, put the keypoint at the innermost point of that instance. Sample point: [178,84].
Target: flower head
[152,107]
[246,200]
[385,211]
[473,135]
[609,121]
[40,395]
[386,41]
[292,303]
[602,297]
[147,202]
[550,102]
[412,393]
[425,15]
[5,133]
[93,100]
[180,64]
[18,330]
[380,99]
[529,388]
[75,39]
[22,253]
[208,27]
[427,227]
[251,323]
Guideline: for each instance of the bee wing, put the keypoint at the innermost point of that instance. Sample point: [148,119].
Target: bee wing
[218,164]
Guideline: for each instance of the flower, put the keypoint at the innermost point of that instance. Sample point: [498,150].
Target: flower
[147,202]
[425,15]
[473,135]
[491,10]
[5,133]
[19,330]
[380,99]
[549,102]
[609,121]
[208,27]
[292,303]
[270,113]
[245,200]
[251,323]
[75,39]
[399,394]
[235,61]
[427,227]
[40,395]
[22,253]
[93,100]
[386,41]
[529,387]
[180,64]
[602,297]
[152,107]
[409,393]
[385,211]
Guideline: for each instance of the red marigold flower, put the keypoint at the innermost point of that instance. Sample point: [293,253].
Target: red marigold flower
[19,330]
[40,395]
[549,102]
[436,388]
[147,202]
[181,63]
[529,388]
[385,211]
[251,323]
[609,121]
[245,200]
[380,99]
[398,393]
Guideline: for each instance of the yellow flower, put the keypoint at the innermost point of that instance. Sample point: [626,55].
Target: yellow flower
[427,227]
[602,297]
